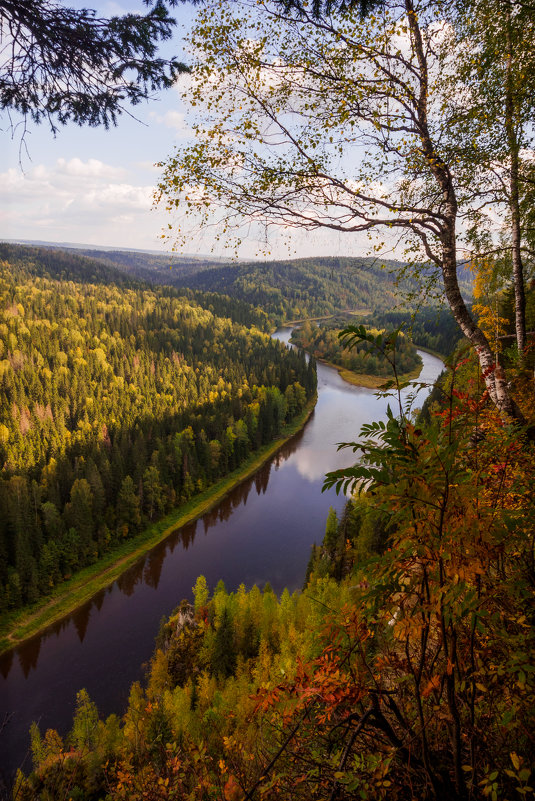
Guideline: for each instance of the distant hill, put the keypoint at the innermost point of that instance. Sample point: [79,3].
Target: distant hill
[63,265]
[286,290]
[157,268]
[298,288]
[72,265]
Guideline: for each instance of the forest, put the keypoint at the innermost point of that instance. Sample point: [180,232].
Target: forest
[119,402]
[430,327]
[401,671]
[323,342]
[298,288]
[284,290]
[279,292]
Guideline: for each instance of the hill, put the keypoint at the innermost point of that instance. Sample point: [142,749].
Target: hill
[285,290]
[118,402]
[299,288]
[74,265]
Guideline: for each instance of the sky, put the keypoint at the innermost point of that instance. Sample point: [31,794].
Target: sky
[92,186]
[89,185]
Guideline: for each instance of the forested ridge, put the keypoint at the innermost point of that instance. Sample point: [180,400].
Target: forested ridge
[72,265]
[118,402]
[298,288]
[163,268]
[432,328]
[264,293]
[285,289]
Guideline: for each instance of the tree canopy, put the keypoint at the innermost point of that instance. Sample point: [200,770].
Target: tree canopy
[118,403]
[60,64]
[338,122]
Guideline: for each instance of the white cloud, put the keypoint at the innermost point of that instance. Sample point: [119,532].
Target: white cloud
[174,120]
[64,178]
[93,168]
[80,201]
[150,166]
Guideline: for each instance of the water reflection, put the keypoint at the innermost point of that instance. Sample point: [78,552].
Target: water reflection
[128,580]
[98,599]
[5,664]
[262,530]
[29,656]
[153,568]
[312,454]
[81,619]
[148,569]
[261,479]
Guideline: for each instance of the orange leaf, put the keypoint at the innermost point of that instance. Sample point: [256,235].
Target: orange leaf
[232,789]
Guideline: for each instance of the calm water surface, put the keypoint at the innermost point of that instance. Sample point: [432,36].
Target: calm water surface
[262,531]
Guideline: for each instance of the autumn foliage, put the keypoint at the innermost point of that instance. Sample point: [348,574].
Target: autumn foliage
[408,675]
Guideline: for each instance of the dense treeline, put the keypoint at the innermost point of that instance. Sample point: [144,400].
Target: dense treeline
[322,342]
[160,268]
[118,403]
[224,306]
[71,265]
[66,265]
[299,288]
[286,290]
[432,328]
[402,671]
[259,292]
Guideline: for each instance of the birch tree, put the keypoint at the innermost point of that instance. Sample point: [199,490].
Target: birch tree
[495,121]
[333,122]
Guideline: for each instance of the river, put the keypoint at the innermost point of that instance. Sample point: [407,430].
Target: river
[262,531]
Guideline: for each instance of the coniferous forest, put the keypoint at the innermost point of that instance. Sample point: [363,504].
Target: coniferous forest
[118,403]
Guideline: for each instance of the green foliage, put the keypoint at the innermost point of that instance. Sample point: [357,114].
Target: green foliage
[331,531]
[432,328]
[369,356]
[404,670]
[118,402]
[110,61]
[223,661]
[295,289]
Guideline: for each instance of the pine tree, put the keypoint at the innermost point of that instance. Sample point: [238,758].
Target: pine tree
[224,655]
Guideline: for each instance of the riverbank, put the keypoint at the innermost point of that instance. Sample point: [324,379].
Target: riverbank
[26,623]
[435,353]
[349,312]
[372,381]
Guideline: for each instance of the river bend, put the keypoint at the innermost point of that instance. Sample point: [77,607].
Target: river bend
[262,531]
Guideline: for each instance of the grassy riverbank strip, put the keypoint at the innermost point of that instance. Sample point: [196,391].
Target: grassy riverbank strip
[366,380]
[373,381]
[26,623]
[339,313]
[435,353]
